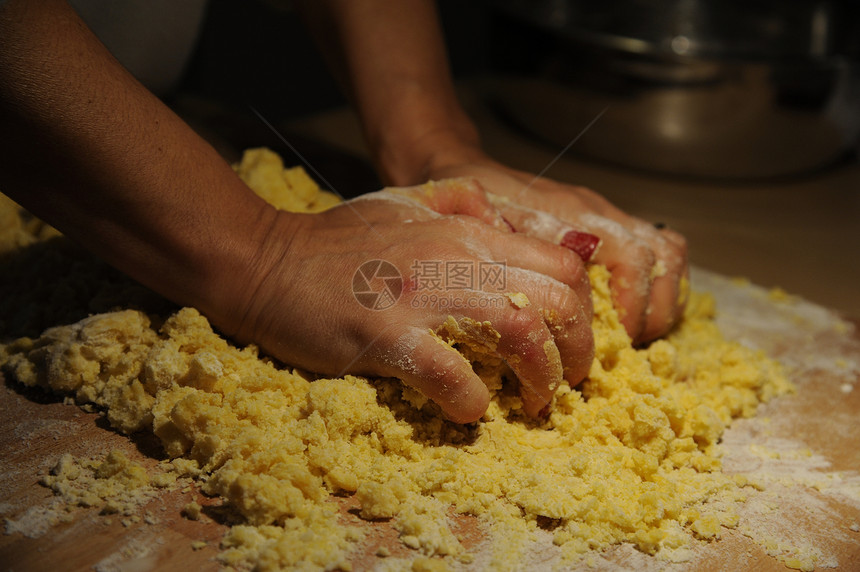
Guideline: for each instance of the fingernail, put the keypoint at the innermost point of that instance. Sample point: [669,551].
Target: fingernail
[583,243]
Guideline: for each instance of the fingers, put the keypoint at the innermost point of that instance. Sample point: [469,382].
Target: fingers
[547,227]
[646,264]
[492,324]
[488,324]
[630,262]
[646,267]
[460,196]
[441,373]
[545,338]
[556,283]
[669,275]
[567,313]
[527,346]
[541,328]
[558,314]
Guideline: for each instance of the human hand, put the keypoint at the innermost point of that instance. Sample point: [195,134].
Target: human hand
[648,265]
[304,312]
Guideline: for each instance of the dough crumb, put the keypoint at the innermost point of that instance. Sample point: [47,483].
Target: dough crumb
[518,299]
[192,510]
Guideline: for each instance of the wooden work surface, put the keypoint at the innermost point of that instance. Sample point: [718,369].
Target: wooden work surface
[796,444]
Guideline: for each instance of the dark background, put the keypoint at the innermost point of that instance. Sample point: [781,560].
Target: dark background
[259,54]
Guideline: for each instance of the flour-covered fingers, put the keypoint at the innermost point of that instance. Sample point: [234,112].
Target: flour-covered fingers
[524,341]
[648,265]
[459,196]
[631,262]
[541,328]
[528,347]
[567,313]
[438,371]
[668,293]
[493,324]
[555,281]
[545,226]
[530,253]
[546,335]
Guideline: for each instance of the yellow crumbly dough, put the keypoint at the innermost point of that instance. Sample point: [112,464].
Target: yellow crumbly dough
[287,189]
[628,457]
[18,229]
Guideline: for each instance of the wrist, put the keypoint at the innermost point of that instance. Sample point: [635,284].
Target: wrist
[252,247]
[257,281]
[430,153]
[417,136]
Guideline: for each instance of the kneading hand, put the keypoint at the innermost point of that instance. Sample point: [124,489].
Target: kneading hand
[648,265]
[304,312]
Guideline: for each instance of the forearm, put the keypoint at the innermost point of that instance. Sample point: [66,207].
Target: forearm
[88,149]
[391,59]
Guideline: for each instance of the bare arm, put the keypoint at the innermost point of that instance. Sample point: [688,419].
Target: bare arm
[89,149]
[390,58]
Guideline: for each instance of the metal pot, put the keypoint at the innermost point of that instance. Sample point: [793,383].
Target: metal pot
[718,88]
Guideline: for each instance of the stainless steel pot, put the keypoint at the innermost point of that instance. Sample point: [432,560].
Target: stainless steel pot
[719,88]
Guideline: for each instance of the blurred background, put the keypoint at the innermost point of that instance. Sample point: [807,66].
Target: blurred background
[735,123]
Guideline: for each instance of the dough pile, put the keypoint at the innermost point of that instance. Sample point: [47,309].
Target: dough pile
[631,456]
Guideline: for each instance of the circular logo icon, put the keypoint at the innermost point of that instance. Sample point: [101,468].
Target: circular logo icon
[377,284]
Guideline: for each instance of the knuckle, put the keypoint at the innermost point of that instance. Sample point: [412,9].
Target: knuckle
[520,324]
[638,260]
[571,266]
[568,302]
